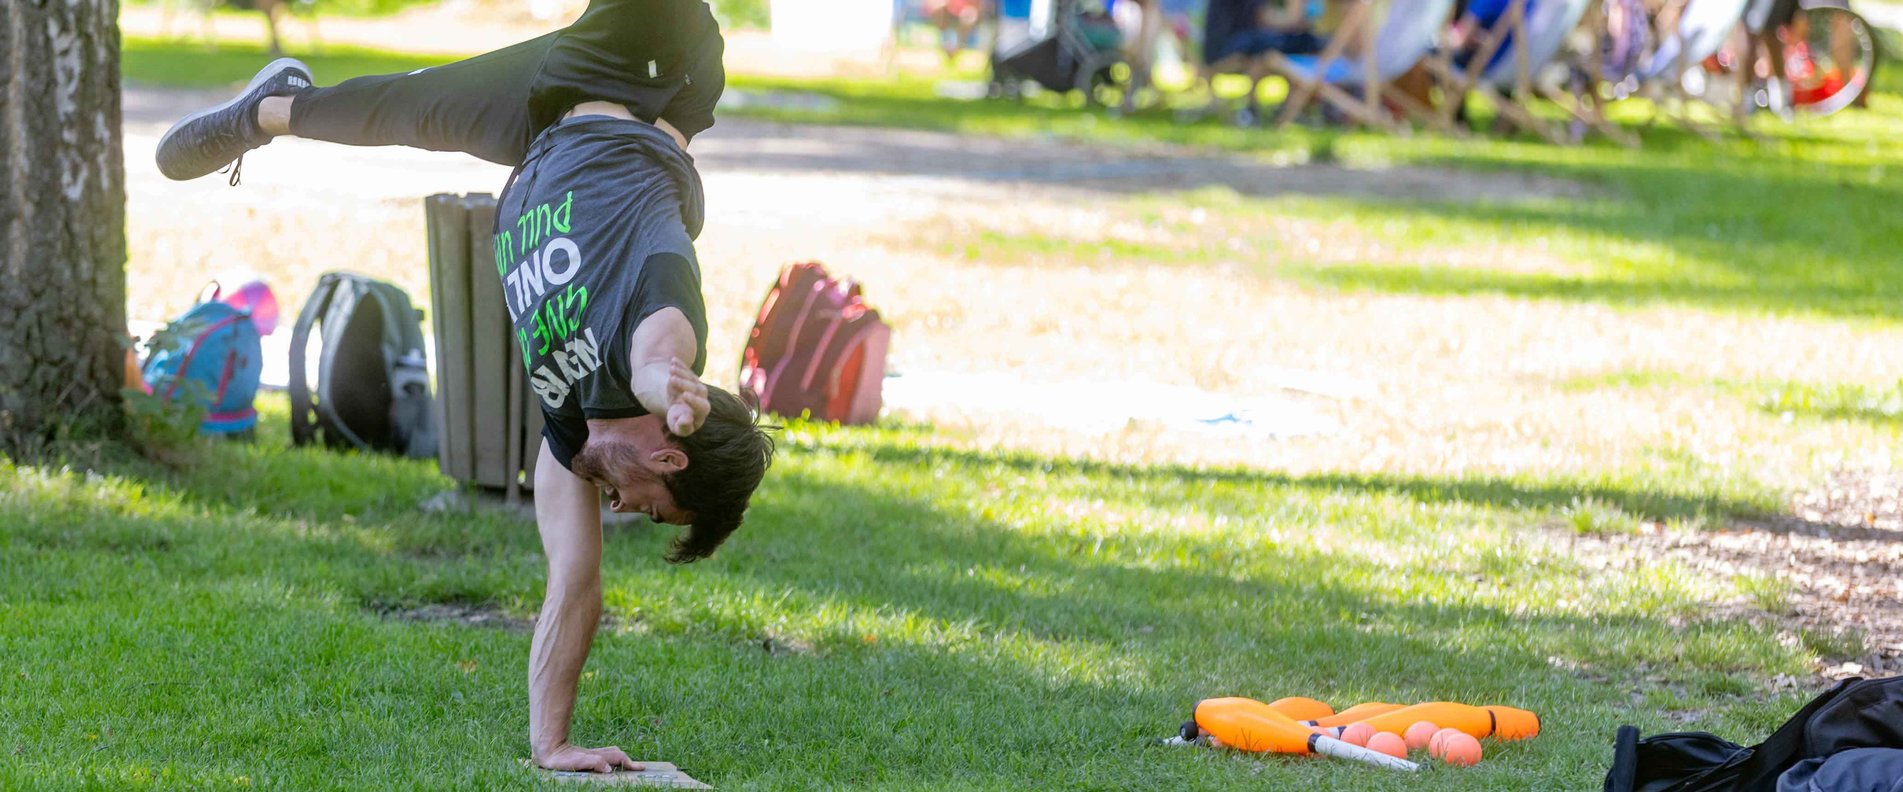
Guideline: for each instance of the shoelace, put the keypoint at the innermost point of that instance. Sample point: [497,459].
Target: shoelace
[236,167]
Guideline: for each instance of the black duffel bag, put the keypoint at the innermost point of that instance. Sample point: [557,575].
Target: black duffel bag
[1817,749]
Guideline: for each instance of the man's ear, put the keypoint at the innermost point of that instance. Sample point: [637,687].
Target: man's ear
[669,459]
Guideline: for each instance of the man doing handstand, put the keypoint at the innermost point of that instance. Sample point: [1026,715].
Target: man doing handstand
[594,245]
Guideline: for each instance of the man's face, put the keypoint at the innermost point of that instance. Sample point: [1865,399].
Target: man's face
[641,491]
[633,477]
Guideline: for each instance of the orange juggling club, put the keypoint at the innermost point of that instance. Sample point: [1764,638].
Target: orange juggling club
[1505,723]
[1250,725]
[1301,709]
[1356,713]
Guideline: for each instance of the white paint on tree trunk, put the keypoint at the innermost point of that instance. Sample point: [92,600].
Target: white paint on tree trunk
[62,254]
[74,170]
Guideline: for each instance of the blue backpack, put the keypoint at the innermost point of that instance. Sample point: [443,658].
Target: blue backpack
[213,354]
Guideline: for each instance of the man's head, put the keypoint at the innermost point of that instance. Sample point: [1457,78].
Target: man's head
[703,480]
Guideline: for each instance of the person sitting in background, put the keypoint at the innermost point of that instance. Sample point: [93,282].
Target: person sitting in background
[1476,22]
[955,20]
[1236,33]
[1142,21]
[1249,28]
[1472,19]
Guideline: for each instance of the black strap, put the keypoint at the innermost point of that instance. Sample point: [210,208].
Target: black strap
[1788,745]
[303,430]
[1625,760]
[335,428]
[1760,767]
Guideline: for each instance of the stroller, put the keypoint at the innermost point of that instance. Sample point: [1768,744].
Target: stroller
[1082,52]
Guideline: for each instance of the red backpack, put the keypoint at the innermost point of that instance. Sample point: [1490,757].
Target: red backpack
[816,348]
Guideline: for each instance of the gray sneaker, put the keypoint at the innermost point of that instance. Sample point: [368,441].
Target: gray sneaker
[209,139]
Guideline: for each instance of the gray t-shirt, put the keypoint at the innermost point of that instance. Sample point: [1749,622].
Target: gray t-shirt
[594,234]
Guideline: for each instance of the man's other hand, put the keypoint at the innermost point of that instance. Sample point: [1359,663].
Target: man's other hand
[588,760]
[686,400]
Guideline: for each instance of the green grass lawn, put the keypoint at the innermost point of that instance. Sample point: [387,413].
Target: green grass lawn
[896,614]
[1795,220]
[182,64]
[900,613]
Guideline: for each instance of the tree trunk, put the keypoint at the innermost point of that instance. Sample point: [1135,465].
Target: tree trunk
[62,220]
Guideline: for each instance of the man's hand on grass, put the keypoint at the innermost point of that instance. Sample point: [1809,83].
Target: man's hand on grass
[590,760]
[686,400]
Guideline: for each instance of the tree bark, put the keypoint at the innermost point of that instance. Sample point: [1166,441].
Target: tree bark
[62,220]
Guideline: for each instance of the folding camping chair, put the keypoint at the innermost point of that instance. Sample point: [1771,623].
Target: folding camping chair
[1701,31]
[1511,51]
[1241,65]
[1407,35]
[1611,59]
[1207,73]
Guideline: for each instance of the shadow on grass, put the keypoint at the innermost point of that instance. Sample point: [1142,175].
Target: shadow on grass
[1480,491]
[1798,223]
[1218,588]
[1127,644]
[951,647]
[1751,237]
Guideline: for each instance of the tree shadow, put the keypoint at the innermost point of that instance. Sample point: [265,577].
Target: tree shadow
[1798,222]
[1799,239]
[998,162]
[1076,652]
[1481,491]
[1005,653]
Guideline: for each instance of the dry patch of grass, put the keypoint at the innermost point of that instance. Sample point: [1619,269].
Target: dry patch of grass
[1071,231]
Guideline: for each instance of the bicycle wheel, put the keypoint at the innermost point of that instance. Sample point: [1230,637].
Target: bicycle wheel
[1830,55]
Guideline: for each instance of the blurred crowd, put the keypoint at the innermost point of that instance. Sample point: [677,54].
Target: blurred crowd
[1423,57]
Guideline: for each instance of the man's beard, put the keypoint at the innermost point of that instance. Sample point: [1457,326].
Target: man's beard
[613,461]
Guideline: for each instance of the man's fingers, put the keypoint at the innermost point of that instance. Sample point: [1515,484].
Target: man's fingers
[680,420]
[687,397]
[698,401]
[619,758]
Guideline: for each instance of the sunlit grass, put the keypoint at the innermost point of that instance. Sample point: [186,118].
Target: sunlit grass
[163,62]
[1873,404]
[911,607]
[1681,221]
[892,609]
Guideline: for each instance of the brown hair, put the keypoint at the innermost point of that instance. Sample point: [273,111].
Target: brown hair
[726,460]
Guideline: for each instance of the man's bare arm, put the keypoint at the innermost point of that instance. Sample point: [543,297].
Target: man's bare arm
[568,513]
[662,381]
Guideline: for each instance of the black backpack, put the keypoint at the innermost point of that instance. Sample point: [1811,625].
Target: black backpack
[372,376]
[1856,714]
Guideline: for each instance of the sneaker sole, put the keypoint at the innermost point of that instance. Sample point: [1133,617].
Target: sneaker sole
[264,75]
